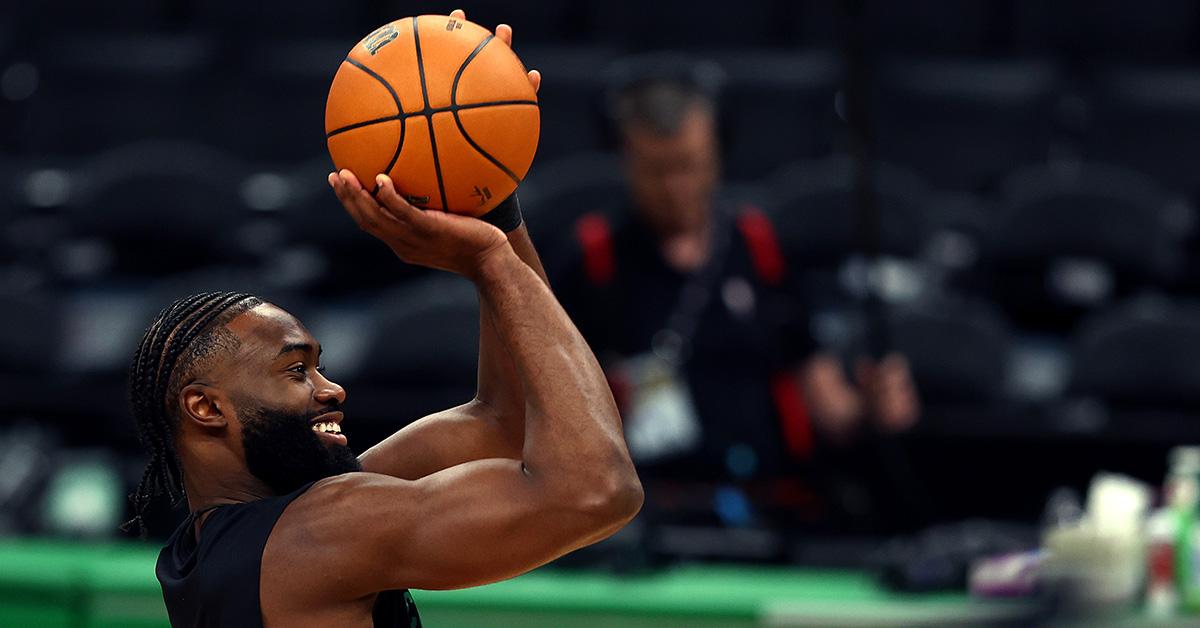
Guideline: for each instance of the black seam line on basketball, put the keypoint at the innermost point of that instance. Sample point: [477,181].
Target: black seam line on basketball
[359,125]
[479,149]
[437,166]
[458,121]
[478,105]
[395,155]
[399,111]
[430,112]
[463,68]
[382,81]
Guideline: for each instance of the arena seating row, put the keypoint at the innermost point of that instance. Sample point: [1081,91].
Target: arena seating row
[1050,244]
[960,122]
[411,350]
[1166,28]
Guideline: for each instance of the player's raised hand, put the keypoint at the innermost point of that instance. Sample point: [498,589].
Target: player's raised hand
[434,239]
[504,33]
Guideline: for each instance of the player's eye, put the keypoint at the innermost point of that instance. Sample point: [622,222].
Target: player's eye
[299,368]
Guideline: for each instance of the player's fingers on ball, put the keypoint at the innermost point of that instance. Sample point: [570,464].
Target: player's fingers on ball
[365,221]
[535,79]
[345,195]
[394,204]
[504,33]
[339,187]
[350,180]
[365,207]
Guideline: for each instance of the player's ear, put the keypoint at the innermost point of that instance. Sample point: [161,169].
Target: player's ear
[200,404]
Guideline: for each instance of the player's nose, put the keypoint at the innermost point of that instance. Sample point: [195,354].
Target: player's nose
[329,391]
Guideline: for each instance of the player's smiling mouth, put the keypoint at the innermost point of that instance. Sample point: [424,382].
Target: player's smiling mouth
[328,427]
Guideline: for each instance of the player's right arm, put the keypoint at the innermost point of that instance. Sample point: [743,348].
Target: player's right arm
[490,519]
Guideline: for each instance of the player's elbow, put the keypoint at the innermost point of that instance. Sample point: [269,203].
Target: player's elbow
[614,500]
[629,502]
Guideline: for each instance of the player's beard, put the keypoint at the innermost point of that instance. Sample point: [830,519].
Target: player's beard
[283,451]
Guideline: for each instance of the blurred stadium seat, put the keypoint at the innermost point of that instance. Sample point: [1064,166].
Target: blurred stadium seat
[1142,354]
[777,107]
[12,208]
[532,22]
[938,26]
[958,352]
[813,211]
[1071,237]
[964,123]
[279,19]
[1148,119]
[571,97]
[122,16]
[165,290]
[324,252]
[272,108]
[32,348]
[1086,30]
[152,209]
[674,24]
[419,355]
[558,192]
[31,345]
[34,224]
[920,26]
[18,81]
[98,91]
[424,334]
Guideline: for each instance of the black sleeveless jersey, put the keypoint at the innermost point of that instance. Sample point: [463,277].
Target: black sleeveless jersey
[214,583]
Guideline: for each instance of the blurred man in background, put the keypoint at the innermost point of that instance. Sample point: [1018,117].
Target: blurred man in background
[687,297]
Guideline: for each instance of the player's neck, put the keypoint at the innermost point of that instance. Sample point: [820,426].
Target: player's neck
[223,481]
[217,491]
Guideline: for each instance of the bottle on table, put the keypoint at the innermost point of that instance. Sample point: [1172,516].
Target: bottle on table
[1173,540]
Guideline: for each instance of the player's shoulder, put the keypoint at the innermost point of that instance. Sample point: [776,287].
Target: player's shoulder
[333,503]
[336,535]
[346,516]
[343,489]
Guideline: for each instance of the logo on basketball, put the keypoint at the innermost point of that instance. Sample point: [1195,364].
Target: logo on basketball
[380,38]
[483,194]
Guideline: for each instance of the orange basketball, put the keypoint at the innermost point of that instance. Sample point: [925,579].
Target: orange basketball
[439,105]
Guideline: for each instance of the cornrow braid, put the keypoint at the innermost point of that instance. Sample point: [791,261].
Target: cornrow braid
[181,334]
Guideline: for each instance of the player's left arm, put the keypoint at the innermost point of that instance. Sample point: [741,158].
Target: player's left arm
[492,425]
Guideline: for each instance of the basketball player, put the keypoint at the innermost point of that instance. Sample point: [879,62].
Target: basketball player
[288,528]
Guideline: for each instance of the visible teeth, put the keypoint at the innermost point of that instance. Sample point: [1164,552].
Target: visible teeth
[328,426]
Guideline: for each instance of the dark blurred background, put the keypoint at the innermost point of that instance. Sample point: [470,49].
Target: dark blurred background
[1033,165]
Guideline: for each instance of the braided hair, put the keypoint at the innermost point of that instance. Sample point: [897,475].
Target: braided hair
[172,351]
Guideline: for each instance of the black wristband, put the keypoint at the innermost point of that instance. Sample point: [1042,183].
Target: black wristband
[506,215]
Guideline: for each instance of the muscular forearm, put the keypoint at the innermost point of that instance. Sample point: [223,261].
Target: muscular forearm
[500,390]
[573,436]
